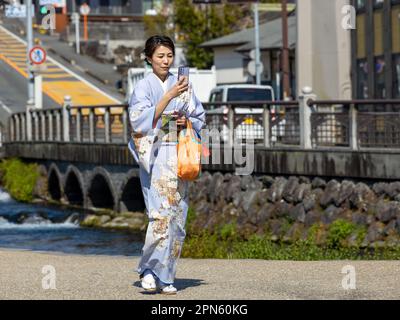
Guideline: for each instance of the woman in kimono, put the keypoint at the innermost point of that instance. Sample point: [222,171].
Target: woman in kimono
[159,105]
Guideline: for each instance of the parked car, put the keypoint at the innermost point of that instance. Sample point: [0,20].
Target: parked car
[249,128]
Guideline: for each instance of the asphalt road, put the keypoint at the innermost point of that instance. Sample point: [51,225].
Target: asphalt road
[29,275]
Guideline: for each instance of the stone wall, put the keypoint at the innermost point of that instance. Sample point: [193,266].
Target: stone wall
[288,208]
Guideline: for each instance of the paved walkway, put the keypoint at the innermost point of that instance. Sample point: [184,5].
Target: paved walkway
[113,277]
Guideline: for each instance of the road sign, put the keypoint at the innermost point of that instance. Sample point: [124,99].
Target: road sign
[84,9]
[17,11]
[37,55]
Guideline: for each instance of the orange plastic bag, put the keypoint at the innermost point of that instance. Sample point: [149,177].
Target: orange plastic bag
[189,154]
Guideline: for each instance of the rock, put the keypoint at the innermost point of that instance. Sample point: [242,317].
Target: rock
[237,199]
[262,197]
[330,214]
[290,187]
[361,196]
[267,181]
[380,188]
[310,200]
[265,213]
[318,183]
[305,180]
[249,199]
[301,191]
[311,218]
[295,232]
[246,182]
[375,232]
[104,219]
[359,218]
[282,209]
[275,226]
[227,177]
[386,211]
[298,213]
[276,190]
[346,190]
[91,220]
[397,198]
[390,228]
[331,193]
[233,187]
[215,186]
[393,189]
[398,225]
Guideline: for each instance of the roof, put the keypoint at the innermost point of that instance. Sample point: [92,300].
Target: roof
[270,36]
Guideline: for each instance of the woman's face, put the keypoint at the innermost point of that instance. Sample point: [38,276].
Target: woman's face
[161,61]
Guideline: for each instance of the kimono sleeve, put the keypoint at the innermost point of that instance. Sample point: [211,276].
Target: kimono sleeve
[195,112]
[141,110]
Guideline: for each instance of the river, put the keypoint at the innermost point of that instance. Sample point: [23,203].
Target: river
[43,227]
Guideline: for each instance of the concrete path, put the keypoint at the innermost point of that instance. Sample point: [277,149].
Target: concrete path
[29,275]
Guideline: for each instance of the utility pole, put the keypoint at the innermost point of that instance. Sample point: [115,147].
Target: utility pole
[257,44]
[28,49]
[285,51]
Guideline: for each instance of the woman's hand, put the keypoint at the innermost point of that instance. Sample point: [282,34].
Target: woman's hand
[181,86]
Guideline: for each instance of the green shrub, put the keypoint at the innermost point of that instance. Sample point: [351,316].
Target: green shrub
[338,231]
[19,178]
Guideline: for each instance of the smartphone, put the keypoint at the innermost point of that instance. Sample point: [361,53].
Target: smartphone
[183,71]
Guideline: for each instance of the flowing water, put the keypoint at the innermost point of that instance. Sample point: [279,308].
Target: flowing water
[50,228]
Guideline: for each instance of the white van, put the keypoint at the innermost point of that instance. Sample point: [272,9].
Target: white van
[241,92]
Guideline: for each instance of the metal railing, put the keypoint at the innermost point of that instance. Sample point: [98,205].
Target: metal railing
[356,123]
[307,123]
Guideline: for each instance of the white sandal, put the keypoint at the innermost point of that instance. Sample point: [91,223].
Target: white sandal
[168,289]
[149,283]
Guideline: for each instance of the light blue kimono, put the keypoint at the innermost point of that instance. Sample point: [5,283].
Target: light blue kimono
[165,195]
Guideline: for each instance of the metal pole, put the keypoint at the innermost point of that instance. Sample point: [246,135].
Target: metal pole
[28,49]
[285,49]
[257,43]
[77,41]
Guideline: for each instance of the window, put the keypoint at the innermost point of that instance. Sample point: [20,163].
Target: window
[249,94]
[360,5]
[362,76]
[396,76]
[378,3]
[379,73]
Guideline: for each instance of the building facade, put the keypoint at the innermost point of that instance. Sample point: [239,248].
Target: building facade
[376,42]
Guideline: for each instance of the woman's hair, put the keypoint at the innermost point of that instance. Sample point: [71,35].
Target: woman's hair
[154,42]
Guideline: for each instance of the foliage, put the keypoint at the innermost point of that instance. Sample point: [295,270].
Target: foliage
[206,245]
[19,178]
[338,231]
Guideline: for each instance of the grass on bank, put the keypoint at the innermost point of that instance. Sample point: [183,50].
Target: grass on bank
[18,178]
[227,244]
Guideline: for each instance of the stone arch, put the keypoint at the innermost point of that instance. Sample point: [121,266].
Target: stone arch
[131,195]
[54,182]
[100,192]
[74,188]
